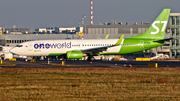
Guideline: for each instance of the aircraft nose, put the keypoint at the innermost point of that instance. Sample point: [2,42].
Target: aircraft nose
[12,50]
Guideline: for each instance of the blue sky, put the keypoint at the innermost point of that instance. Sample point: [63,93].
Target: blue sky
[60,13]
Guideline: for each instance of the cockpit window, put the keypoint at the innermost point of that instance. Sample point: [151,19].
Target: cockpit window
[19,45]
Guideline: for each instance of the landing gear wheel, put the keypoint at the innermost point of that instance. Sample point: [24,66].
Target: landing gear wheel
[91,58]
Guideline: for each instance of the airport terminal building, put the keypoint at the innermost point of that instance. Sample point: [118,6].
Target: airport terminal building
[14,36]
[175,34]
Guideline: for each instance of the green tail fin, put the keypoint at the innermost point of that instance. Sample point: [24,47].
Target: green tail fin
[158,27]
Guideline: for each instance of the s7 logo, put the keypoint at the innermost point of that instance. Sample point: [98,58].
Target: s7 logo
[157,28]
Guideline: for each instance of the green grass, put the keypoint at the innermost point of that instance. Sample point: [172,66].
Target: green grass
[89,84]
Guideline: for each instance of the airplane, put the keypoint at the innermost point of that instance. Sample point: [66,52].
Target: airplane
[6,54]
[77,49]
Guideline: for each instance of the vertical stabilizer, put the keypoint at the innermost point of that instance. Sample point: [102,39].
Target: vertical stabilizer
[158,27]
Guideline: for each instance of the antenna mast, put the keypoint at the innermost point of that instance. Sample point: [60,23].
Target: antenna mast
[91,12]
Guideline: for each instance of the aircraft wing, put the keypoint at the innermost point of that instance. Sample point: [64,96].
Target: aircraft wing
[95,50]
[103,48]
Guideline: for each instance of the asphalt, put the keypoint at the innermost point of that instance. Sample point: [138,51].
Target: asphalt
[107,64]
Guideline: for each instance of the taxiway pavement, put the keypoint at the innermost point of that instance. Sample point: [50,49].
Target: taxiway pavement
[70,63]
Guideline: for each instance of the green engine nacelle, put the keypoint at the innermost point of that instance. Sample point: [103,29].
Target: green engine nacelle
[74,55]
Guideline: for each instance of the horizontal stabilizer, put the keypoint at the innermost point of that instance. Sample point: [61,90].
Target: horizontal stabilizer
[163,40]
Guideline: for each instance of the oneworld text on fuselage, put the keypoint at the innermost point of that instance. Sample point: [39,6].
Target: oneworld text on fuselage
[52,45]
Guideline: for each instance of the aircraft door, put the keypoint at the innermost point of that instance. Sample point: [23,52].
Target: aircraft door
[141,44]
[30,46]
[23,50]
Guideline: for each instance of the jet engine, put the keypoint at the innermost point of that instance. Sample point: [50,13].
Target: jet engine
[8,56]
[74,55]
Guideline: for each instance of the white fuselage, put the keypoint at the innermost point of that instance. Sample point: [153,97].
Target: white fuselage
[46,47]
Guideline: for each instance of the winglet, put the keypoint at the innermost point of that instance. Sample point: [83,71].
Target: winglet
[107,36]
[119,41]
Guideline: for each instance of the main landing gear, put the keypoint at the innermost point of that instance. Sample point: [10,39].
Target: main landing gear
[91,58]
